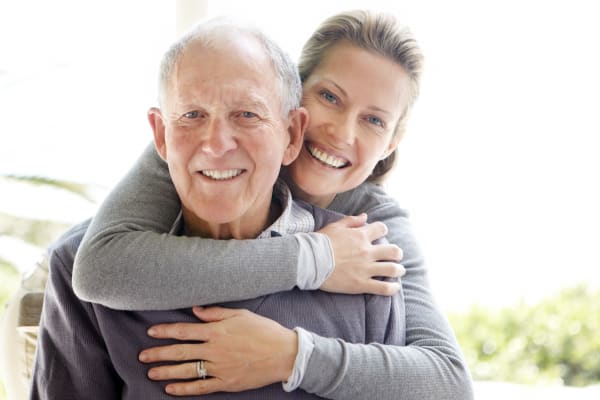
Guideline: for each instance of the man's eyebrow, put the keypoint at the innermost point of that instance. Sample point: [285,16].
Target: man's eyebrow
[250,101]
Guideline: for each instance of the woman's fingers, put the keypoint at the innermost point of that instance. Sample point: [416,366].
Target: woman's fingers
[234,364]
[197,387]
[178,371]
[387,270]
[351,221]
[386,252]
[382,288]
[180,331]
[174,352]
[374,231]
[214,314]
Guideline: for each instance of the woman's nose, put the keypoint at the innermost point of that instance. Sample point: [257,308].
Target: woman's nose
[342,132]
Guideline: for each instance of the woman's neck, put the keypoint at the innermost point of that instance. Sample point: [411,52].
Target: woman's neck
[298,193]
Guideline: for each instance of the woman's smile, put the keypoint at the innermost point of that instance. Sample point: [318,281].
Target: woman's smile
[325,157]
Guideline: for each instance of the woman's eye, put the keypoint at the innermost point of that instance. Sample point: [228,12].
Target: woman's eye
[375,121]
[329,97]
[191,115]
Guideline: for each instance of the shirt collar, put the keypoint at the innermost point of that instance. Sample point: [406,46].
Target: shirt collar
[292,220]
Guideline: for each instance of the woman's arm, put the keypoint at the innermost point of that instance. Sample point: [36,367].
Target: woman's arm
[430,366]
[128,260]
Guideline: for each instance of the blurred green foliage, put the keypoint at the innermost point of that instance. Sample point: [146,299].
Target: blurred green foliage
[81,189]
[554,341]
[34,231]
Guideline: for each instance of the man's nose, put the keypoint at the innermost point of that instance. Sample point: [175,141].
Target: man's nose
[218,139]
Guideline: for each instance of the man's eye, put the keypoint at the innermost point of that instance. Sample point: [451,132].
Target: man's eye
[329,97]
[248,115]
[191,115]
[375,121]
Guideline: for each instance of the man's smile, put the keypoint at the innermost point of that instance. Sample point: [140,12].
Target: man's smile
[222,174]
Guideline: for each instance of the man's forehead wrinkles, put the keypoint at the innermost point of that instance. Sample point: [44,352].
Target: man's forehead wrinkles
[230,95]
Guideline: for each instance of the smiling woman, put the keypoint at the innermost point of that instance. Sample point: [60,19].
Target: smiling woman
[354,123]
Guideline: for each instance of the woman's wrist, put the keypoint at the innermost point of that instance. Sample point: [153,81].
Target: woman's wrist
[306,344]
[287,355]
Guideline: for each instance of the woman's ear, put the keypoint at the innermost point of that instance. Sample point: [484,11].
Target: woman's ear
[158,129]
[297,123]
[392,145]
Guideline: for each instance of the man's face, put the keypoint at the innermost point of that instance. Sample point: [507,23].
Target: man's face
[222,134]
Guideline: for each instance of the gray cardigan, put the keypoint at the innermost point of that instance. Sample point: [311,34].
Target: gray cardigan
[128,261]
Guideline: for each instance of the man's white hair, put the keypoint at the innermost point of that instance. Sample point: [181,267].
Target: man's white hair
[216,31]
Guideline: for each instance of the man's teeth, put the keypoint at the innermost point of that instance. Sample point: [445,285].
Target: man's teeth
[220,174]
[326,158]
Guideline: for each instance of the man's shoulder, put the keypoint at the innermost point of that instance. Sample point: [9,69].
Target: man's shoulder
[65,247]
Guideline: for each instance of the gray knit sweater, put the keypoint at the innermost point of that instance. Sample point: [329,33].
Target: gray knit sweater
[128,261]
[75,335]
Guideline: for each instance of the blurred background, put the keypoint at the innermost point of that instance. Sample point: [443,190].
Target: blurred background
[497,168]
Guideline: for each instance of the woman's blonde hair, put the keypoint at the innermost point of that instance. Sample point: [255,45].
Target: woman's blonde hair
[377,32]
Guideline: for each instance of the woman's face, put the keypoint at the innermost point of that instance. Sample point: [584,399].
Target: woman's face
[355,99]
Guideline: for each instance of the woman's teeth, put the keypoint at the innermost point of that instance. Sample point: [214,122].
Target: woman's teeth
[325,158]
[219,174]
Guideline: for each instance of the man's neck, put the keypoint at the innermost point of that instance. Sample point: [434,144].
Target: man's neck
[246,227]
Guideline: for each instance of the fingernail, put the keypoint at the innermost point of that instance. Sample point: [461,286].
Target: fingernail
[198,309]
[152,374]
[170,390]
[152,332]
[143,357]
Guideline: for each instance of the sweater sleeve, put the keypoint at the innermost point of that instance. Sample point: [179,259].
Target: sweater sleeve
[128,260]
[429,366]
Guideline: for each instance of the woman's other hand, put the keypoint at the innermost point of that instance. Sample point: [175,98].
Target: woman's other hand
[241,351]
[358,261]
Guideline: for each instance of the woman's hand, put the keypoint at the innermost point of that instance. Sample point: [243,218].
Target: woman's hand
[358,260]
[241,351]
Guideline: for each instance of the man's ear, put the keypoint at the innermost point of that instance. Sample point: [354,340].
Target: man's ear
[158,129]
[297,124]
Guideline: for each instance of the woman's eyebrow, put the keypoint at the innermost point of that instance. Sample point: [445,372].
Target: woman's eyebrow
[380,110]
[372,108]
[338,87]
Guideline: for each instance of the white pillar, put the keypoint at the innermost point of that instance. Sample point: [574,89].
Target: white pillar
[188,13]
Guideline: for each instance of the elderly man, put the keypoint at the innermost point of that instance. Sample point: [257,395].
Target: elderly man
[227,122]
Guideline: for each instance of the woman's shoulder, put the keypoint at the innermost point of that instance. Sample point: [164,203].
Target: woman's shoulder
[366,197]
